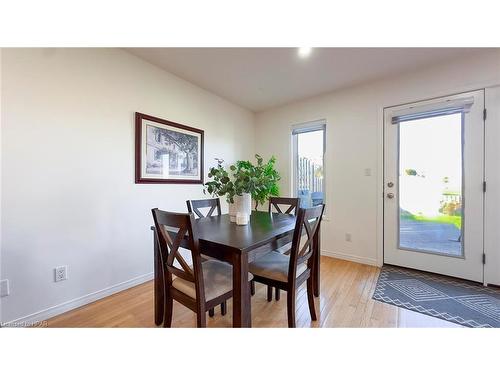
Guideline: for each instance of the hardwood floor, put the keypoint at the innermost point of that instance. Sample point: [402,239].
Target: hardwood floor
[345,301]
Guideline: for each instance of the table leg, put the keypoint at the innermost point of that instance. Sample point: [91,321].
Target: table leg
[158,283]
[241,291]
[317,261]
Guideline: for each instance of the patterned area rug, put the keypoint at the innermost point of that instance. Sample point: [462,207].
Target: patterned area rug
[457,301]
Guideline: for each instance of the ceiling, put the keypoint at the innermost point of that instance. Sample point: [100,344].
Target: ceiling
[262,78]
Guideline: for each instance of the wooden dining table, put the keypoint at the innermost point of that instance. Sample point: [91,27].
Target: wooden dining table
[238,245]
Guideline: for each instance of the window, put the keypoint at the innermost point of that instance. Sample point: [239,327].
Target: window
[308,163]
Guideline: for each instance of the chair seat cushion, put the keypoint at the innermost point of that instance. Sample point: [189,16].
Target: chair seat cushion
[287,247]
[274,266]
[284,249]
[217,279]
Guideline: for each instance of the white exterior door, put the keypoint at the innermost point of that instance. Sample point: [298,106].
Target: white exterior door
[433,185]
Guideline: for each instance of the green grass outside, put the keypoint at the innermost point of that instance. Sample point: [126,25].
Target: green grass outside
[445,219]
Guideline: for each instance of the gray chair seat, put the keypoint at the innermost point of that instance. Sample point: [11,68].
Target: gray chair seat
[217,279]
[274,265]
[286,248]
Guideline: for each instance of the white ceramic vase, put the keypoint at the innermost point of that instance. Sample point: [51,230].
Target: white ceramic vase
[242,204]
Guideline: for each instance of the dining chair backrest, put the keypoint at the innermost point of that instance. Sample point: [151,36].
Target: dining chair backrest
[291,205]
[307,224]
[172,228]
[211,204]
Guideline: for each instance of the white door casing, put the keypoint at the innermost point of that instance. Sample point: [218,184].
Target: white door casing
[492,195]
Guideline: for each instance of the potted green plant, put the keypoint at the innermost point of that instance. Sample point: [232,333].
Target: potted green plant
[242,182]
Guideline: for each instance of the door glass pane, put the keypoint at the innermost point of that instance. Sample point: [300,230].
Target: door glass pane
[310,181]
[430,185]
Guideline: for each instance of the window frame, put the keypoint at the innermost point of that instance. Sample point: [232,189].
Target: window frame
[296,130]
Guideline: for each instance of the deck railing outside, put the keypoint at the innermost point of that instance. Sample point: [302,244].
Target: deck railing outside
[310,182]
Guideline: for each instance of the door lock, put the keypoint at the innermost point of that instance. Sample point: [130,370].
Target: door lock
[390,195]
[390,184]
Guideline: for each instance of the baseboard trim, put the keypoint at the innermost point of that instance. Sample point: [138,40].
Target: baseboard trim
[349,257]
[81,301]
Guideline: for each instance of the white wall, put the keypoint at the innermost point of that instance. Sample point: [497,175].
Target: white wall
[354,142]
[68,192]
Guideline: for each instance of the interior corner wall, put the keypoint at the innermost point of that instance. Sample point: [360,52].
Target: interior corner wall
[354,144]
[1,268]
[67,156]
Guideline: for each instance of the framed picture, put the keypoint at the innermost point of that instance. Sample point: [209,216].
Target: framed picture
[167,152]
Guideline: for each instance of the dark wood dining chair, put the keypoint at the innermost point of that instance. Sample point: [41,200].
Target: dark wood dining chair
[289,272]
[287,206]
[200,286]
[290,205]
[213,206]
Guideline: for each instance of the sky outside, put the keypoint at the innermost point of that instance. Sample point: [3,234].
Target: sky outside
[310,145]
[433,148]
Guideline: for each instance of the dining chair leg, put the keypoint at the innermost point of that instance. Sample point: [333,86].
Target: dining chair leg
[201,319]
[159,287]
[211,312]
[223,308]
[290,307]
[252,288]
[269,293]
[168,311]
[277,294]
[310,298]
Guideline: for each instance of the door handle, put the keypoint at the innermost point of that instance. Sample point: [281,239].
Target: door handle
[390,195]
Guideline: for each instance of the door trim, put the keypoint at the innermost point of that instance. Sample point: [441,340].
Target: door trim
[388,103]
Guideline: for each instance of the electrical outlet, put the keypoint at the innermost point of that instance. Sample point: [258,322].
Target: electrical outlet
[4,288]
[60,273]
[348,237]
[368,172]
